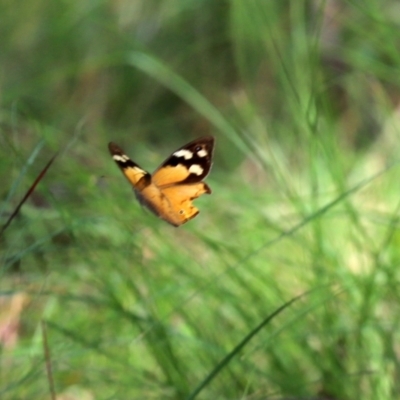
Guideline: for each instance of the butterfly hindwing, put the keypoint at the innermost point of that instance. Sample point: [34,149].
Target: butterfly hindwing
[181,198]
[169,192]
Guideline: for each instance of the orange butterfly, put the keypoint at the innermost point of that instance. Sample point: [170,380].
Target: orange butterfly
[170,190]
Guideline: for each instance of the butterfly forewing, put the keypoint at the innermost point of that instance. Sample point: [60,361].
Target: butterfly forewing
[169,192]
[189,164]
[137,176]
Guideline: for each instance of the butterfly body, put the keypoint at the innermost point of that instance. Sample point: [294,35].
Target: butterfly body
[170,190]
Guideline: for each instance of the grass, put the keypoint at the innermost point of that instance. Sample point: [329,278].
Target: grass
[286,284]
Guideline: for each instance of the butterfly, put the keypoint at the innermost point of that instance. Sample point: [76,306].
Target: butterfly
[170,190]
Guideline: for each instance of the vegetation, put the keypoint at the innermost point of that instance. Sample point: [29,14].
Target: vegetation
[286,284]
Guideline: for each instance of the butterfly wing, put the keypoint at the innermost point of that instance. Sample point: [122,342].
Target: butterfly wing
[138,177]
[180,197]
[189,164]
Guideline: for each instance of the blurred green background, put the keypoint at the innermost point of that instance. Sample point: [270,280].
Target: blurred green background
[303,99]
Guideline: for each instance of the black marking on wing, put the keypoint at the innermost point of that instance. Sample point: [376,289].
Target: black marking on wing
[127,163]
[205,143]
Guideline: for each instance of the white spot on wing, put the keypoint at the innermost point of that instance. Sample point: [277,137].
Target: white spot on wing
[120,158]
[186,154]
[196,169]
[202,153]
